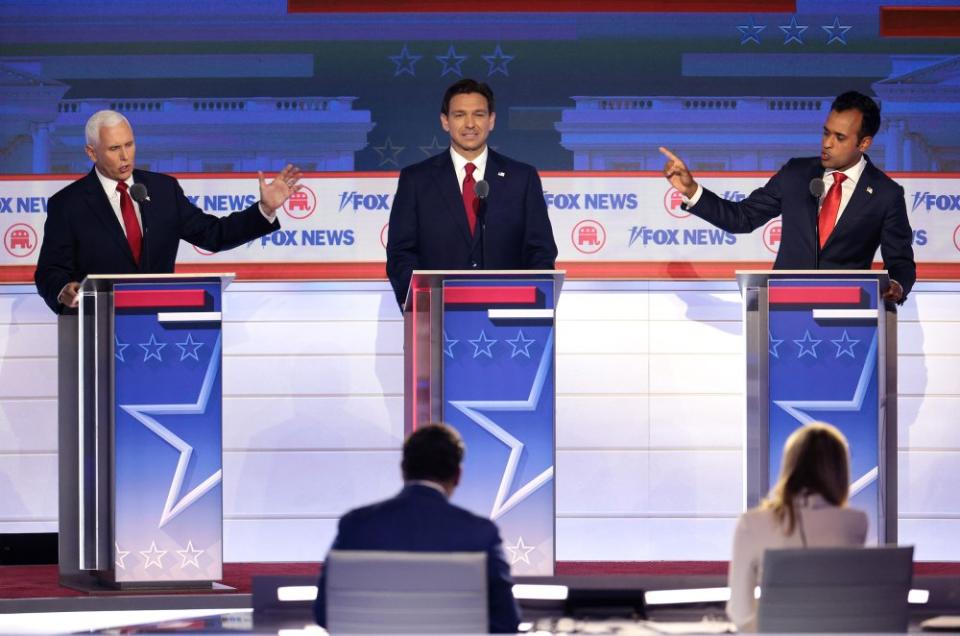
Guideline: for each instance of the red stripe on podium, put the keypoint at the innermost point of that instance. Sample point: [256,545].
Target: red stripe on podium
[814,295]
[159,298]
[542,6]
[526,295]
[919,22]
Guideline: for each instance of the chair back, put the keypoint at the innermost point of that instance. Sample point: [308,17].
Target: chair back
[406,592]
[835,590]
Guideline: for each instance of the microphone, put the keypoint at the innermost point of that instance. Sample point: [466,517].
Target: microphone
[817,187]
[482,189]
[139,193]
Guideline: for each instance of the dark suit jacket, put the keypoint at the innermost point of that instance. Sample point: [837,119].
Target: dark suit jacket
[876,216]
[428,224]
[82,234]
[420,519]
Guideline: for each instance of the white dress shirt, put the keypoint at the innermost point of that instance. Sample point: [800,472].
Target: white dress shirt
[460,165]
[824,526]
[110,188]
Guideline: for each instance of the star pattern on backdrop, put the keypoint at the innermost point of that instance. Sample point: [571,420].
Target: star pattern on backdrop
[434,148]
[504,500]
[481,345]
[519,551]
[188,348]
[388,153]
[152,348]
[448,344]
[451,62]
[808,345]
[153,556]
[750,32]
[404,62]
[521,345]
[119,348]
[845,345]
[190,556]
[175,504]
[836,32]
[497,62]
[774,347]
[121,555]
[793,31]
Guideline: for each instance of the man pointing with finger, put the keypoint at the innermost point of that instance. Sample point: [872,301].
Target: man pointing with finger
[118,220]
[836,209]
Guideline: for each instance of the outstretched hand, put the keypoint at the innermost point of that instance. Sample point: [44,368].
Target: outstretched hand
[273,194]
[678,175]
[894,292]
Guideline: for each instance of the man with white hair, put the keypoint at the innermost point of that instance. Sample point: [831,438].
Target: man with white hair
[119,220]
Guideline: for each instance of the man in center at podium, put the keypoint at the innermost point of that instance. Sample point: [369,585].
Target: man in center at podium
[468,207]
[836,209]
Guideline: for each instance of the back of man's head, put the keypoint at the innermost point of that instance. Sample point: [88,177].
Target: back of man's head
[867,107]
[433,453]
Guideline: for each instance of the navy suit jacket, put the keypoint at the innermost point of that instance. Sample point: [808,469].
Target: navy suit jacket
[420,519]
[82,234]
[429,230]
[876,216]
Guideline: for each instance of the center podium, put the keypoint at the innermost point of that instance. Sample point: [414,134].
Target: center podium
[479,353]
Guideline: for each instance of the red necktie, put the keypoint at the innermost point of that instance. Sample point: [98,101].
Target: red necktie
[130,224]
[470,198]
[831,206]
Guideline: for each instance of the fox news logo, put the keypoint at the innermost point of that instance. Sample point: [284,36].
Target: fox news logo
[591,201]
[930,201]
[357,201]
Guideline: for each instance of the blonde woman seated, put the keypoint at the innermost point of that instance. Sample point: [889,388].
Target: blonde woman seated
[806,508]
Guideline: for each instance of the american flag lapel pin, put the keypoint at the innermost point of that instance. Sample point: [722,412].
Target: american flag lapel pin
[869,190]
[501,174]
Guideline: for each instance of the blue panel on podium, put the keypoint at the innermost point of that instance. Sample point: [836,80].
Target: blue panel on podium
[824,365]
[168,499]
[499,386]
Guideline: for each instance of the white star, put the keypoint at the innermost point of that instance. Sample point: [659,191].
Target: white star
[121,555]
[481,346]
[119,348]
[190,344]
[751,32]
[845,345]
[448,344]
[521,346]
[190,555]
[520,551]
[151,348]
[774,345]
[173,507]
[793,31]
[808,345]
[153,556]
[837,32]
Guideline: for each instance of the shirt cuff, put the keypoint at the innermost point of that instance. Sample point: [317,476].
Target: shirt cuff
[692,201]
[271,217]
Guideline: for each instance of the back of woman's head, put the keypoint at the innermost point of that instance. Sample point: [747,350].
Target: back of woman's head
[815,461]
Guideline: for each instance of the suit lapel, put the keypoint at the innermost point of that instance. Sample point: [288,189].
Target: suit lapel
[491,175]
[446,178]
[100,206]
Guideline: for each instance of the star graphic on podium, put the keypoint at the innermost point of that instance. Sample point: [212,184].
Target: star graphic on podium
[404,62]
[808,345]
[521,346]
[497,62]
[153,556]
[504,500]
[751,32]
[190,555]
[451,62]
[845,345]
[481,346]
[837,32]
[793,31]
[121,555]
[151,348]
[119,348]
[448,344]
[774,345]
[520,551]
[190,344]
[141,412]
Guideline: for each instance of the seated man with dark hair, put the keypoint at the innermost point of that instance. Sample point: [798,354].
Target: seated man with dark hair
[421,519]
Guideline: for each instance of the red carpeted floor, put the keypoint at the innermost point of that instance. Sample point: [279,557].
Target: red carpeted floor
[41,581]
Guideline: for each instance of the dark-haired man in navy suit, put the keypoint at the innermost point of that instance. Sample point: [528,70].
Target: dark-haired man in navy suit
[860,208]
[422,519]
[95,226]
[437,220]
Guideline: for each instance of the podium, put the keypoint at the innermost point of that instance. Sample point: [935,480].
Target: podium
[479,350]
[140,444]
[822,345]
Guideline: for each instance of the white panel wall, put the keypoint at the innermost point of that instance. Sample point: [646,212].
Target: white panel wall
[650,416]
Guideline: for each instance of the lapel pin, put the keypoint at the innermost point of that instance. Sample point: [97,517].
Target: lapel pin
[869,190]
[501,174]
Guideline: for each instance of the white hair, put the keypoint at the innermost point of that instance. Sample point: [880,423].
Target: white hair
[102,119]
